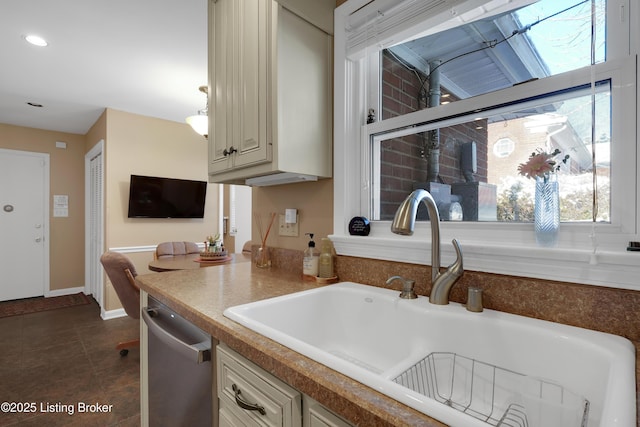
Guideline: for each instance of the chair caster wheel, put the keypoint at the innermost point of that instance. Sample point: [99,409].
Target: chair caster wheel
[124,352]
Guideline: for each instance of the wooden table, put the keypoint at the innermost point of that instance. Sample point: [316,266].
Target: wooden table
[192,262]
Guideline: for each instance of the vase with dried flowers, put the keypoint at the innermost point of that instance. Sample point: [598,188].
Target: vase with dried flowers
[542,166]
[263,258]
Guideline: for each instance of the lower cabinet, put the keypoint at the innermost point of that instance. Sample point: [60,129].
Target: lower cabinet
[316,415]
[250,396]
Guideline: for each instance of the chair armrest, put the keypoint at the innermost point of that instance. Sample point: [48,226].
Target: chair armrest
[132,279]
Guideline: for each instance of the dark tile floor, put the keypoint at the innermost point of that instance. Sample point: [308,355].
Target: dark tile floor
[61,361]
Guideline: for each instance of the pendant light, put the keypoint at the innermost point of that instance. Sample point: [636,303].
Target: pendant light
[200,122]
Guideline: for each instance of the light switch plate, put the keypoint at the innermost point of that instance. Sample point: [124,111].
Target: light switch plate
[291,216]
[286,229]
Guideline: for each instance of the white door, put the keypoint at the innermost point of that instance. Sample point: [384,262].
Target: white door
[24,224]
[240,214]
[93,222]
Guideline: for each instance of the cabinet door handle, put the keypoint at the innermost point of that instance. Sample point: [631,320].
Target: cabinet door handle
[230,151]
[246,405]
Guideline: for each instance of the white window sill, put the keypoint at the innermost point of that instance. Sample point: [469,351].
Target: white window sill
[610,267]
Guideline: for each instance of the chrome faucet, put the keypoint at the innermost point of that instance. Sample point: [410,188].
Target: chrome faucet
[404,223]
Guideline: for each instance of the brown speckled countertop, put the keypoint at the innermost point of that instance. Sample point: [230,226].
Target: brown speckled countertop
[202,295]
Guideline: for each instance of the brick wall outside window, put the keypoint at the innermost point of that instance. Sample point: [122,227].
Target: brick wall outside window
[404,160]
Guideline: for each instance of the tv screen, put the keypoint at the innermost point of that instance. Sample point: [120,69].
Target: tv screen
[155,197]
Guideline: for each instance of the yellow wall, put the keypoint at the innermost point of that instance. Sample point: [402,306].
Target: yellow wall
[314,201]
[143,145]
[66,234]
[97,132]
[134,144]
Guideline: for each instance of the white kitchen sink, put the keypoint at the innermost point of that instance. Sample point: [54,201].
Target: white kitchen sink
[462,368]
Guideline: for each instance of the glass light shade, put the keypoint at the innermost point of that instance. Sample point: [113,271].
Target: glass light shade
[199,123]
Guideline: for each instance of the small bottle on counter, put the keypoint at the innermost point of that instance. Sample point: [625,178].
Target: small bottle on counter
[325,267]
[310,259]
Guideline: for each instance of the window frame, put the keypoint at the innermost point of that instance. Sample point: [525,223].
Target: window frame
[586,253]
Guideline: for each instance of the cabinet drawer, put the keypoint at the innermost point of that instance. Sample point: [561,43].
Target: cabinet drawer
[243,385]
[316,415]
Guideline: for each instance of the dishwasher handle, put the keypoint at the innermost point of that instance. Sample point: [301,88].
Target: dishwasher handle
[198,352]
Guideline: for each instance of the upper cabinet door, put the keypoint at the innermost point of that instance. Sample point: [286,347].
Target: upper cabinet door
[254,55]
[239,57]
[221,73]
[270,97]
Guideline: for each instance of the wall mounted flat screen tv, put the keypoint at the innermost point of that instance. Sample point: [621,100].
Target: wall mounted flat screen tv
[156,197]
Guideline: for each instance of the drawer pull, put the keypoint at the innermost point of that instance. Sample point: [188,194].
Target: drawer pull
[246,405]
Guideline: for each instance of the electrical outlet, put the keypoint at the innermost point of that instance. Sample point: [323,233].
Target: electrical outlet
[285,229]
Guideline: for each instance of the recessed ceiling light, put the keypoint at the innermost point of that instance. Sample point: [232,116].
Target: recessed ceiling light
[36,40]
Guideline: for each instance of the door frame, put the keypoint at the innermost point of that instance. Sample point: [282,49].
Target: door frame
[46,184]
[98,290]
[237,214]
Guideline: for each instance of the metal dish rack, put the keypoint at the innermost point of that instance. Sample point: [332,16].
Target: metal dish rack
[495,395]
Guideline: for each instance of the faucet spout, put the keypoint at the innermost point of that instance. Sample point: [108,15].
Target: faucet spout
[404,223]
[405,220]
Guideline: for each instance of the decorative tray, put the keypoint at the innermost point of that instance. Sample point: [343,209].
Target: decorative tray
[213,255]
[213,259]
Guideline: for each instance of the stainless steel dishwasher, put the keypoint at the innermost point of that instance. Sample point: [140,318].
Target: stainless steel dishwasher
[180,369]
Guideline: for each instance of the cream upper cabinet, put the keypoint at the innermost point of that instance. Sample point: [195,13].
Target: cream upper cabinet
[238,69]
[270,106]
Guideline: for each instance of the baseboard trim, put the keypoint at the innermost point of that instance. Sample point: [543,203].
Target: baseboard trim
[61,292]
[112,314]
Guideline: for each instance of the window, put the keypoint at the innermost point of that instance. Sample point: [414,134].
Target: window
[503,147]
[487,184]
[414,78]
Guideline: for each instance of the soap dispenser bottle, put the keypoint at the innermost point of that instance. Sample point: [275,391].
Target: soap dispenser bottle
[310,259]
[325,268]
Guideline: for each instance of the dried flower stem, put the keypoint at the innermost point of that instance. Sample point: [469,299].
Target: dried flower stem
[263,237]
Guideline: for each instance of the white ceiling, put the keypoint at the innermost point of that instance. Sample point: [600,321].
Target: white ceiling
[145,57]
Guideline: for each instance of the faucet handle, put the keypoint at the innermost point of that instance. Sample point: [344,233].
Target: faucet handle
[457,268]
[407,287]
[474,299]
[444,281]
